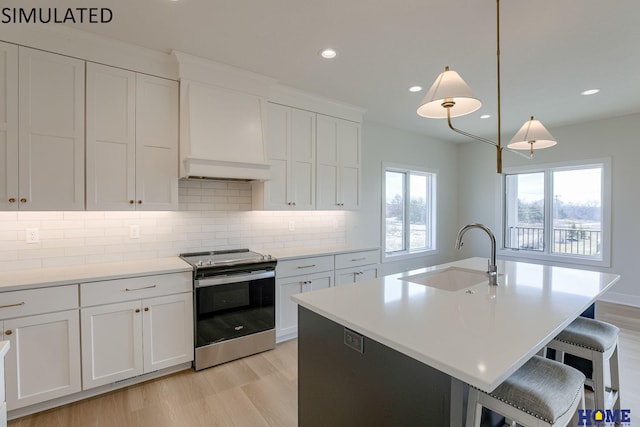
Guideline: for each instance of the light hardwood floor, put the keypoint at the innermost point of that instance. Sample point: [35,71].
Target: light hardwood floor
[261,390]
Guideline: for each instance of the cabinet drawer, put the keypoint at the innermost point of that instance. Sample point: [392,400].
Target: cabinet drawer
[38,301]
[295,267]
[133,288]
[355,259]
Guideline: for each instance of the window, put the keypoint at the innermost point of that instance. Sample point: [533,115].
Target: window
[560,212]
[408,210]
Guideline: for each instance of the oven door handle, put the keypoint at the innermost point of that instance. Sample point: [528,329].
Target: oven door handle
[233,278]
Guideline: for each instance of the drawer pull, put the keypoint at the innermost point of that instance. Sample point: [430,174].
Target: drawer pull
[358,259]
[12,305]
[8,332]
[12,200]
[306,266]
[137,310]
[358,273]
[139,289]
[146,309]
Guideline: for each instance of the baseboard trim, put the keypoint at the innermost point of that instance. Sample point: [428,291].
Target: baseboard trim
[622,299]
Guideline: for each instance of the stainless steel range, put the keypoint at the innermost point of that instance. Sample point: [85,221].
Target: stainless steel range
[234,304]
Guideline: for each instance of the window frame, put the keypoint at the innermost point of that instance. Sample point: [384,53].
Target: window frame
[432,179]
[547,254]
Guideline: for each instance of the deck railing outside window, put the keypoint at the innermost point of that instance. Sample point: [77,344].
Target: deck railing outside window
[573,241]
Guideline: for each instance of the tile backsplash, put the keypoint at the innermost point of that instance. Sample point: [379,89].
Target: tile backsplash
[212,215]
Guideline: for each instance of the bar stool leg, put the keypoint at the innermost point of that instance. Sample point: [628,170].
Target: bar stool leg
[599,388]
[615,376]
[474,409]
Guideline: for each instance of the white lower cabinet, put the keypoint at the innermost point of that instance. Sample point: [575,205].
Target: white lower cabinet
[287,318]
[356,266]
[44,360]
[125,339]
[43,328]
[356,274]
[293,277]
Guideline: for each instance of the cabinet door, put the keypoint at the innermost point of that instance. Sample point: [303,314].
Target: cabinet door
[9,199]
[111,343]
[156,143]
[44,360]
[167,331]
[51,131]
[287,310]
[302,176]
[349,161]
[351,275]
[327,172]
[291,150]
[111,149]
[319,281]
[278,147]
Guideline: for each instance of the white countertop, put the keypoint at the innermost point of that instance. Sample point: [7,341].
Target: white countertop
[307,251]
[481,338]
[37,278]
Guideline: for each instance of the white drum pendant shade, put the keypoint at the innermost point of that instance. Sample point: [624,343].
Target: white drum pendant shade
[532,131]
[449,86]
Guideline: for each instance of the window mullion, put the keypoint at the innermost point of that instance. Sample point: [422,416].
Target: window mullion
[407,214]
[548,209]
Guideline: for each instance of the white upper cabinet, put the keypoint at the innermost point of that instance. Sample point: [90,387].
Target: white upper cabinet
[156,143]
[8,126]
[338,163]
[132,140]
[291,149]
[41,130]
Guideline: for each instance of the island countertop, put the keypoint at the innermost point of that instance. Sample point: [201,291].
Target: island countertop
[480,334]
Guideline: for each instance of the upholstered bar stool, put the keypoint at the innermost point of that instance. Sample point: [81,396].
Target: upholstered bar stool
[542,392]
[596,341]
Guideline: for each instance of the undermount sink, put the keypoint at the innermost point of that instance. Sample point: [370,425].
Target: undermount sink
[449,279]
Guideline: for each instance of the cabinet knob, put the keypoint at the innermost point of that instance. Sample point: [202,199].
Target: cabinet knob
[12,200]
[146,309]
[23,200]
[139,202]
[293,203]
[8,332]
[137,310]
[131,202]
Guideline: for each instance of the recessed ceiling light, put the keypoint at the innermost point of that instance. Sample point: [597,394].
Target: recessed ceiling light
[415,88]
[485,116]
[590,92]
[328,53]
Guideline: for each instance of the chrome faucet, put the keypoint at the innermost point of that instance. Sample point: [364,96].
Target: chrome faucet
[492,269]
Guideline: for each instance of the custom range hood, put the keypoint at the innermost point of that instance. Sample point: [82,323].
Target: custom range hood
[222,120]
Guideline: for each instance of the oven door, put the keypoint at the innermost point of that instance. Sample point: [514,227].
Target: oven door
[234,305]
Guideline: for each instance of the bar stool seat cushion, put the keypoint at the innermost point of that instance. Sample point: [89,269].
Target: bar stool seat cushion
[590,333]
[543,388]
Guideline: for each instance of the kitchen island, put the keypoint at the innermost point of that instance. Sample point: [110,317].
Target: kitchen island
[390,351]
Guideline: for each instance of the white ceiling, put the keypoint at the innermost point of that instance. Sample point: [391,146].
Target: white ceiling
[551,51]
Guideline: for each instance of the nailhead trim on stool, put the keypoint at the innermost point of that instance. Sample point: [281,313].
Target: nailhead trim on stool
[596,341]
[542,392]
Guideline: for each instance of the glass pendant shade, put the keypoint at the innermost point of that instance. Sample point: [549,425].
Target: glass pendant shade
[532,135]
[448,88]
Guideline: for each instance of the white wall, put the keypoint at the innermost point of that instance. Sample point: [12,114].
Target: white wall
[617,138]
[385,144]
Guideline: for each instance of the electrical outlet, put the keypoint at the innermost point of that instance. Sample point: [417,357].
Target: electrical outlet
[33,235]
[134,231]
[292,226]
[354,340]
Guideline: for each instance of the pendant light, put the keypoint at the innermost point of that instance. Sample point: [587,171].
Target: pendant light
[449,96]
